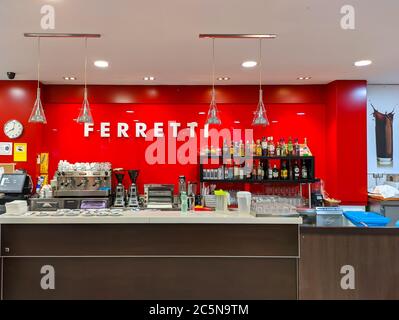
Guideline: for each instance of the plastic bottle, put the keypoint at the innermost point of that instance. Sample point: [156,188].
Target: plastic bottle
[184,203]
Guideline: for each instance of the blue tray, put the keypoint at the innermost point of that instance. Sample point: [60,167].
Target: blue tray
[366,219]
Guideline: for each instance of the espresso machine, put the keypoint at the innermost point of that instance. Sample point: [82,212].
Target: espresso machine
[133,201]
[119,200]
[78,186]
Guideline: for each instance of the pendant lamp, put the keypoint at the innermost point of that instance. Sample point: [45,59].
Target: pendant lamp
[260,117]
[213,113]
[85,112]
[37,115]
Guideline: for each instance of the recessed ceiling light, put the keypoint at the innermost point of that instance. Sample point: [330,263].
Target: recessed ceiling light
[136,120]
[363,63]
[236,121]
[101,64]
[223,78]
[274,121]
[249,64]
[202,112]
[300,113]
[304,78]
[69,78]
[149,78]
[129,111]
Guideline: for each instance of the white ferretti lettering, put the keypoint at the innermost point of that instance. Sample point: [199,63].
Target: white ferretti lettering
[122,129]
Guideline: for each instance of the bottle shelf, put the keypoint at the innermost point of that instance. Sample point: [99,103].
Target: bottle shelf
[259,157]
[308,161]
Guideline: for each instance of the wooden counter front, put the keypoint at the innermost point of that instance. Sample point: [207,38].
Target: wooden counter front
[326,253]
[150,261]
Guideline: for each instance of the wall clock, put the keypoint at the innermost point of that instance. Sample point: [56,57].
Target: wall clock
[13,129]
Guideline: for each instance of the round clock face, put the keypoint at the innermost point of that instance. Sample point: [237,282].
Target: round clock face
[13,129]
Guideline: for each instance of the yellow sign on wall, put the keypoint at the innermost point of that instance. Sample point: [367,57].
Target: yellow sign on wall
[20,152]
[44,163]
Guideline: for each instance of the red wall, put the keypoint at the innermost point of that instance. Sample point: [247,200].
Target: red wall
[63,137]
[347,133]
[16,102]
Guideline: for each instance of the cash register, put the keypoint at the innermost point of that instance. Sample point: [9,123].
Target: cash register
[14,186]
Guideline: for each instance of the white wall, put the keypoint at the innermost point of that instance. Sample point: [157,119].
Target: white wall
[384,98]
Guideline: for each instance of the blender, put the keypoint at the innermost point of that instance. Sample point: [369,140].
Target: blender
[119,190]
[132,201]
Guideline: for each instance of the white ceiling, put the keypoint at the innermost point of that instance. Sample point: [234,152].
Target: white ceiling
[160,38]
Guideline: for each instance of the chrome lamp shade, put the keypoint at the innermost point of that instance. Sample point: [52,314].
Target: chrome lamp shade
[213,113]
[37,115]
[260,117]
[85,112]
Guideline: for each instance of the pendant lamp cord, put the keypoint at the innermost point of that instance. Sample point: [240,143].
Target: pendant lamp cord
[260,64]
[85,64]
[213,68]
[38,62]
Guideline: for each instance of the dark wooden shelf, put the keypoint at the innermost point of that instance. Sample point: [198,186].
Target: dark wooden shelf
[257,181]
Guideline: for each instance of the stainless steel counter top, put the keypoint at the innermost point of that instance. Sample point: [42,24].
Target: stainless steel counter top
[146,216]
[327,221]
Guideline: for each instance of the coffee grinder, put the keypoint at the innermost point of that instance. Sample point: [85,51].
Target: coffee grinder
[133,201]
[119,190]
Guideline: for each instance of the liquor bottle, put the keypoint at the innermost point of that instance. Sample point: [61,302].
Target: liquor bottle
[283,148]
[297,148]
[236,172]
[304,171]
[305,149]
[278,149]
[248,149]
[236,149]
[258,148]
[212,151]
[231,170]
[269,172]
[260,174]
[272,147]
[275,172]
[242,149]
[226,148]
[284,171]
[242,173]
[254,172]
[248,172]
[290,147]
[264,147]
[253,148]
[296,171]
[290,172]
[231,148]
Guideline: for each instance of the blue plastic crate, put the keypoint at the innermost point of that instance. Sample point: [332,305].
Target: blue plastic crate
[364,218]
